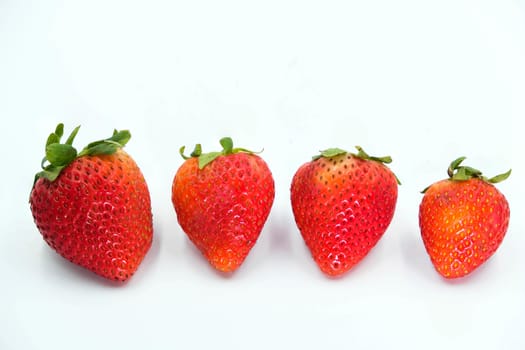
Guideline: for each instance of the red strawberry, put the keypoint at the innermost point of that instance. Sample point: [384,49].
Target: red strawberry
[93,207]
[343,203]
[222,200]
[463,220]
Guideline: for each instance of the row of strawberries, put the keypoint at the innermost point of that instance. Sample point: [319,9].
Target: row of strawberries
[93,207]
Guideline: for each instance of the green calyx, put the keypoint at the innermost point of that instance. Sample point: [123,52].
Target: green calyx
[60,155]
[330,153]
[458,172]
[334,152]
[206,158]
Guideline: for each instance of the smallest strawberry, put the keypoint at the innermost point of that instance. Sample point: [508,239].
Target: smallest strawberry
[463,220]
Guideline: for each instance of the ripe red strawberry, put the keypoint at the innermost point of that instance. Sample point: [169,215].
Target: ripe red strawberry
[463,220]
[93,207]
[343,203]
[222,200]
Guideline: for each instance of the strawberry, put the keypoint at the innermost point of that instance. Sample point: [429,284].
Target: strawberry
[93,207]
[342,204]
[222,200]
[463,220]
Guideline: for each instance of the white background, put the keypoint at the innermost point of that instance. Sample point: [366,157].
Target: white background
[424,82]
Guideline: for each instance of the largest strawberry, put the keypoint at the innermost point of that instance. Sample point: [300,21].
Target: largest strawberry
[93,207]
[343,203]
[222,200]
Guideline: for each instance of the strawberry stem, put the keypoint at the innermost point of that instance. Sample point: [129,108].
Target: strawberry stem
[457,172]
[463,173]
[59,155]
[330,153]
[334,152]
[206,158]
[361,154]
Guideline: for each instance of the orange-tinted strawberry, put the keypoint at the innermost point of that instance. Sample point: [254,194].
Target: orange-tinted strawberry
[222,200]
[463,220]
[93,207]
[343,204]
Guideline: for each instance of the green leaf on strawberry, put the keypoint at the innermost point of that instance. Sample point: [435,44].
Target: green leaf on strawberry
[206,158]
[59,155]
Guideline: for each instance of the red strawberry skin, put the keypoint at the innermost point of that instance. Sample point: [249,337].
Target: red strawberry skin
[462,224]
[223,206]
[342,207]
[97,214]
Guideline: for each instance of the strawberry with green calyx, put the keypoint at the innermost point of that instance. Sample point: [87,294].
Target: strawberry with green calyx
[342,204]
[93,207]
[222,200]
[463,220]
